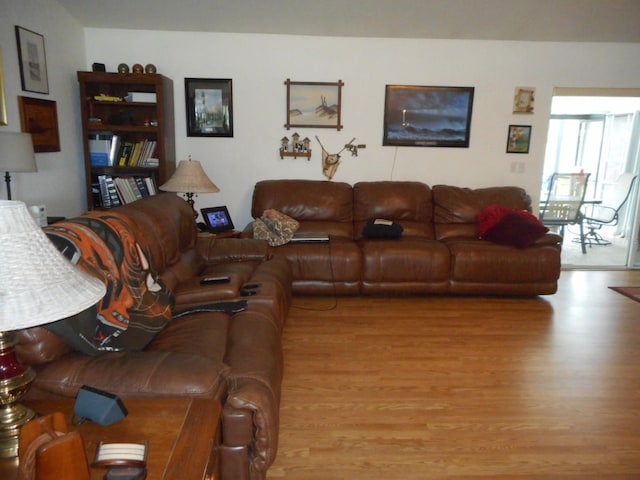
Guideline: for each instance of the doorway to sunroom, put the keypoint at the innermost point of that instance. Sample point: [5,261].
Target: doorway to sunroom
[597,131]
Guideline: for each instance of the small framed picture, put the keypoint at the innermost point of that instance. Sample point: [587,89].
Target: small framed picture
[518,138]
[209,107]
[524,100]
[40,118]
[217,219]
[33,61]
[314,104]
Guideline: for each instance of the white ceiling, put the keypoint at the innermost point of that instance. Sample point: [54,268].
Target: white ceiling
[527,20]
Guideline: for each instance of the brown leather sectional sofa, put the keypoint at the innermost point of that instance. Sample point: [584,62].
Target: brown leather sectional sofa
[439,251]
[233,357]
[237,357]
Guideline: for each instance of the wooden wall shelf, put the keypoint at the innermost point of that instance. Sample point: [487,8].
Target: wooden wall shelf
[284,153]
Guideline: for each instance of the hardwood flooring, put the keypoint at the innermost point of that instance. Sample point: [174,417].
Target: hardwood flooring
[464,388]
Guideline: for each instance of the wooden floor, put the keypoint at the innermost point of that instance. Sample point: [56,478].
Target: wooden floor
[464,388]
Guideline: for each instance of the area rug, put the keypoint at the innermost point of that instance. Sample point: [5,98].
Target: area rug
[631,292]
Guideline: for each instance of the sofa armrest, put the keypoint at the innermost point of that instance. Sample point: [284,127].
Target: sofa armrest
[221,250]
[133,374]
[549,239]
[254,384]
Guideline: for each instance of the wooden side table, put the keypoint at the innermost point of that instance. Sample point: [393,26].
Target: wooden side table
[229,234]
[183,436]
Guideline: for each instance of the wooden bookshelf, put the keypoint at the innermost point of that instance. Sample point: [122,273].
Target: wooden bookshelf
[106,115]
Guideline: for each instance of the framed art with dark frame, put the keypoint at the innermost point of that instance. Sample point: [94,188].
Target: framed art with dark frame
[518,138]
[314,104]
[217,219]
[40,118]
[33,61]
[209,104]
[426,116]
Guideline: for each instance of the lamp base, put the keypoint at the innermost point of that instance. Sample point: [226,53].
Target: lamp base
[10,432]
[14,383]
[191,202]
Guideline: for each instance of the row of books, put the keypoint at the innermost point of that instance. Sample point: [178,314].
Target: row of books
[115,191]
[110,150]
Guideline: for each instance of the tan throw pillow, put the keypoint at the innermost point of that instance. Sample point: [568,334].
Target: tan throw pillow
[275,227]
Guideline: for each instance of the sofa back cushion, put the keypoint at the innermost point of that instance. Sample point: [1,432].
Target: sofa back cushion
[456,209]
[136,306]
[319,206]
[406,203]
[167,225]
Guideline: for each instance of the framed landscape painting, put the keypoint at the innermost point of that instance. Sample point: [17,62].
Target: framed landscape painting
[314,104]
[424,116]
[209,104]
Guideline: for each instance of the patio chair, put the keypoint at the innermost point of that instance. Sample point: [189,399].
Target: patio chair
[607,212]
[564,201]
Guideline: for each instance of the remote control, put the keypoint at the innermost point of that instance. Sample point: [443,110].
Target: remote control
[208,280]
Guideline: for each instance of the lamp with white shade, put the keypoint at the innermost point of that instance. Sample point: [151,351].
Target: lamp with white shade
[16,155]
[190,178]
[38,285]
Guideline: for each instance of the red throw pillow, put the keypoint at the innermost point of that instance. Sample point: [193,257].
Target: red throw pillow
[489,217]
[518,228]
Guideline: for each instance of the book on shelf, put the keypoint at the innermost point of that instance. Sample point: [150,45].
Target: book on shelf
[120,190]
[137,154]
[113,193]
[105,198]
[103,149]
[142,97]
[99,151]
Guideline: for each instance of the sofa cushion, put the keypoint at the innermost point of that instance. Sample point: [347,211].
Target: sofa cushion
[319,206]
[136,306]
[456,209]
[382,228]
[407,203]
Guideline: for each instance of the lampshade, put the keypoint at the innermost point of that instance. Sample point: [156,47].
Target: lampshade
[38,284]
[16,152]
[189,177]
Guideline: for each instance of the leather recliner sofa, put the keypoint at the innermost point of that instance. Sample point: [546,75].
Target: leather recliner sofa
[439,251]
[233,357]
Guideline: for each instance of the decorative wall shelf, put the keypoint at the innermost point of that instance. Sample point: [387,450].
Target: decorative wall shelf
[284,153]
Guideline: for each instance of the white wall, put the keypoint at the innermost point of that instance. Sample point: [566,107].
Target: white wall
[259,65]
[59,182]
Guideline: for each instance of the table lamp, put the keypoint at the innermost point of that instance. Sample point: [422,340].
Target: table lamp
[38,285]
[16,155]
[189,178]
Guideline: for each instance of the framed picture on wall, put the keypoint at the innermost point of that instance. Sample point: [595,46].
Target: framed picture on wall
[524,100]
[209,104]
[518,138]
[33,61]
[40,118]
[3,102]
[421,116]
[314,104]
